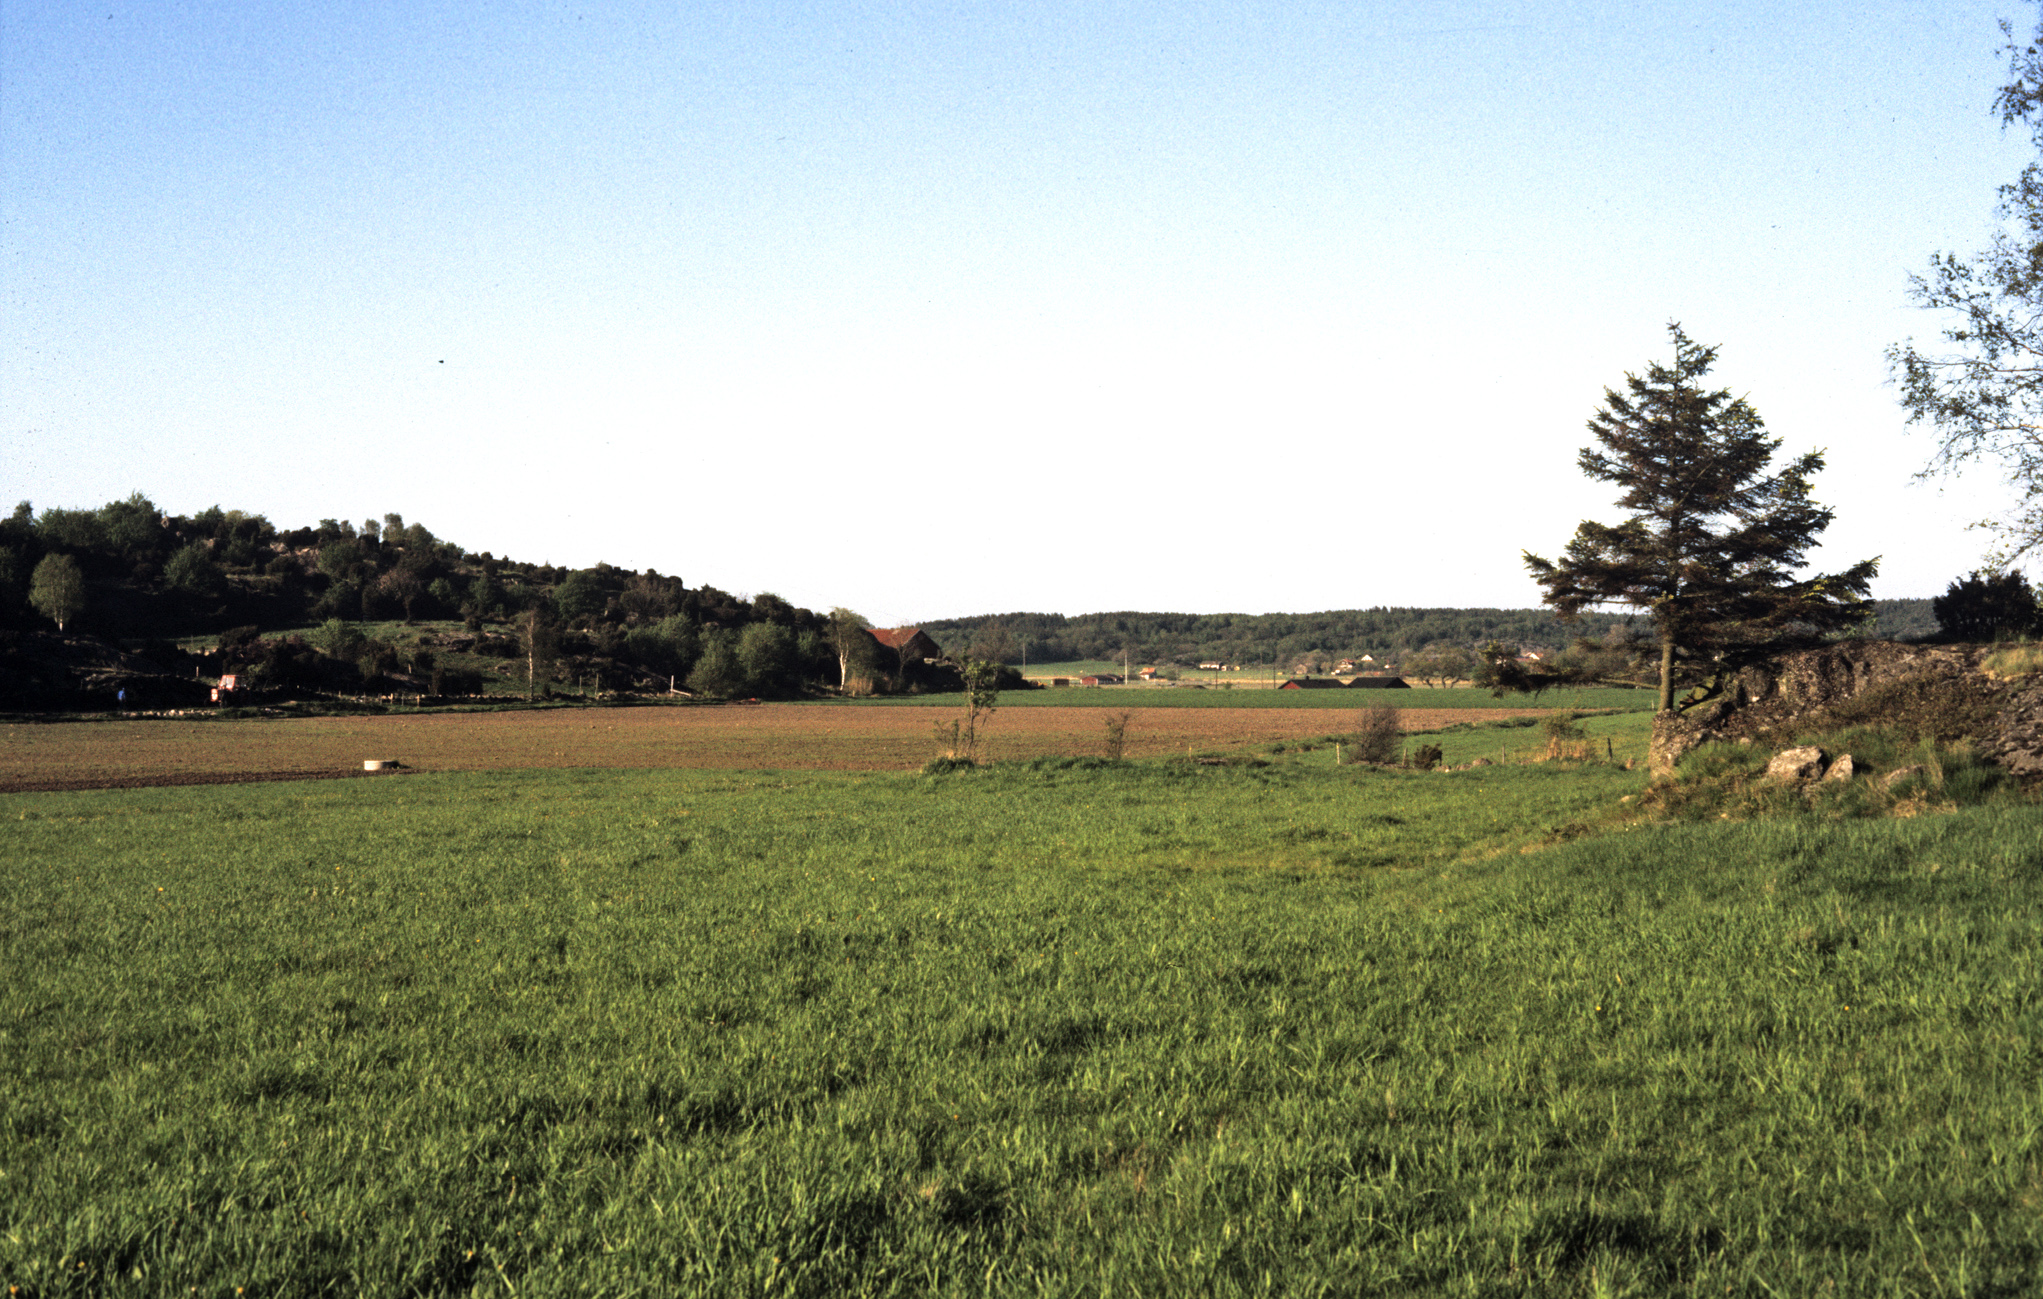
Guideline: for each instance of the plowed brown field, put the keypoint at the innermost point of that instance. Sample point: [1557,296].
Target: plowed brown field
[123,753]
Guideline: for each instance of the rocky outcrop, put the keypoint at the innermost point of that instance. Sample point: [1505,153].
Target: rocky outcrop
[2015,741]
[1933,690]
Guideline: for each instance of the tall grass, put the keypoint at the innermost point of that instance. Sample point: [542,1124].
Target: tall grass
[1068,1028]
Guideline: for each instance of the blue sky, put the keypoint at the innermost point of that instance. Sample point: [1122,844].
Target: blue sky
[932,309]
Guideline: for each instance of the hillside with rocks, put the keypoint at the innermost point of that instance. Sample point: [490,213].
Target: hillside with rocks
[1944,692]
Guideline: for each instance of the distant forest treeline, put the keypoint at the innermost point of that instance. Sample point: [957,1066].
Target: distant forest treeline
[130,574]
[1290,638]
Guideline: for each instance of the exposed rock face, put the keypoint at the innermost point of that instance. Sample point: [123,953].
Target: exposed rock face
[1937,690]
[1842,769]
[2016,740]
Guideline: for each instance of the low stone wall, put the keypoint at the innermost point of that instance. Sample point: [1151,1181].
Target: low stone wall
[1938,690]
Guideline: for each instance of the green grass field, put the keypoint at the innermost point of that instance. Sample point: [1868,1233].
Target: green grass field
[1154,696]
[1249,675]
[1066,1028]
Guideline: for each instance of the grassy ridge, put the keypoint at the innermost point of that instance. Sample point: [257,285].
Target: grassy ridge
[1062,1029]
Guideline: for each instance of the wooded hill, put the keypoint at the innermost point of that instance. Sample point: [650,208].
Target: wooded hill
[1286,639]
[131,580]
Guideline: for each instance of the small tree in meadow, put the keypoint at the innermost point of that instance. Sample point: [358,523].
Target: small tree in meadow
[960,739]
[1117,735]
[1380,736]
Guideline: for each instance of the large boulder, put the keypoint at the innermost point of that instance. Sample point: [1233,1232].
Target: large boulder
[1804,762]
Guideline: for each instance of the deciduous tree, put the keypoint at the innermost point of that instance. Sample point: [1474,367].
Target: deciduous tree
[1439,664]
[542,648]
[581,598]
[192,571]
[57,589]
[337,559]
[858,654]
[402,585]
[982,693]
[1714,538]
[717,672]
[648,597]
[766,656]
[131,525]
[1982,392]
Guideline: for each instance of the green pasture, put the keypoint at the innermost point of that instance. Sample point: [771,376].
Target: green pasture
[1147,695]
[1251,675]
[1080,667]
[1063,1028]
[1612,737]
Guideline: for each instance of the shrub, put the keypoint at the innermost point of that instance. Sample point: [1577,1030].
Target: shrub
[338,638]
[343,599]
[668,645]
[717,672]
[1117,736]
[1996,606]
[375,658]
[1564,737]
[1380,736]
[1425,757]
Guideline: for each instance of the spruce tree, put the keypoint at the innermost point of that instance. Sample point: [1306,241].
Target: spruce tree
[1714,538]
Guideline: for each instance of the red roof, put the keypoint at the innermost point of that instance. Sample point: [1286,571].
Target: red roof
[894,637]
